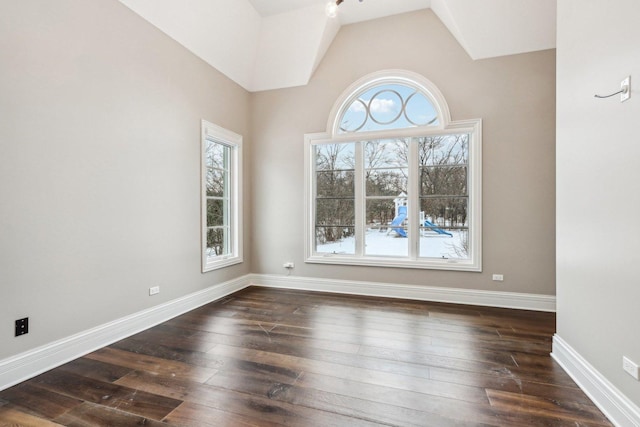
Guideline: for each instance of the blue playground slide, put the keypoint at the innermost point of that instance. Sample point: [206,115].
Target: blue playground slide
[397,221]
[435,228]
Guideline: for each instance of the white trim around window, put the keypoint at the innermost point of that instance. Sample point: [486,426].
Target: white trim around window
[358,223]
[221,197]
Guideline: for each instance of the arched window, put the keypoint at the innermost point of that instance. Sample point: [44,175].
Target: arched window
[394,182]
[388,106]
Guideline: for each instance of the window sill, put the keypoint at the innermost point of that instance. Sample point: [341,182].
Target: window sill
[220,262]
[430,264]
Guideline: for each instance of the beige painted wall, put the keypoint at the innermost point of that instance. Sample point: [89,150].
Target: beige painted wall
[99,166]
[515,97]
[598,176]
[99,161]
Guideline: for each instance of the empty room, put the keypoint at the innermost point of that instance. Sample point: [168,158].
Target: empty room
[319,213]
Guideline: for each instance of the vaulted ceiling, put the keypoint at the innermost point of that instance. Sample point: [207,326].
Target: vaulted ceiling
[271,44]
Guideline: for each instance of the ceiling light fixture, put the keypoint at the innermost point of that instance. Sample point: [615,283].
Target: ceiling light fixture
[332,8]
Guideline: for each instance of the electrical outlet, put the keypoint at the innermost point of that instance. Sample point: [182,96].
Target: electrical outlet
[630,367]
[288,265]
[498,277]
[22,326]
[154,290]
[625,86]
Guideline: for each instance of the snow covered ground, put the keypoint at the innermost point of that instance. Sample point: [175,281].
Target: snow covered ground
[380,243]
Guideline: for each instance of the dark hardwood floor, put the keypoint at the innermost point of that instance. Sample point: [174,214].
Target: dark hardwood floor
[265,357]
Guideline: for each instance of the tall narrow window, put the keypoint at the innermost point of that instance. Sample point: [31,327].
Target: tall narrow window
[394,182]
[386,178]
[221,207]
[444,197]
[335,197]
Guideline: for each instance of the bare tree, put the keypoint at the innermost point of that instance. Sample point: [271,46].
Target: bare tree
[335,205]
[443,183]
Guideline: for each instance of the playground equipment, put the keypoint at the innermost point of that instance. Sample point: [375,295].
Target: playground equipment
[432,227]
[401,216]
[435,228]
[396,224]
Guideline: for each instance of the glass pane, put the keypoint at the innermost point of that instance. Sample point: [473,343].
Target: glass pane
[380,213]
[446,211]
[385,105]
[335,206]
[386,170]
[386,228]
[443,180]
[217,241]
[217,155]
[444,229]
[444,150]
[331,157]
[388,106]
[386,153]
[335,184]
[355,117]
[335,240]
[336,212]
[216,214]
[387,182]
[419,111]
[216,183]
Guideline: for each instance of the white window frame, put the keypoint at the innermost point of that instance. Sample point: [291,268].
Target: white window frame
[213,133]
[445,126]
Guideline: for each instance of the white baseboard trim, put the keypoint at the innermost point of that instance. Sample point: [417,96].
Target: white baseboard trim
[620,410]
[27,365]
[415,292]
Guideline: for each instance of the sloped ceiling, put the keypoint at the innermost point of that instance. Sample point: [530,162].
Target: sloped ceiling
[490,28]
[272,44]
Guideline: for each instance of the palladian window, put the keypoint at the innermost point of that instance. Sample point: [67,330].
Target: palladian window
[394,182]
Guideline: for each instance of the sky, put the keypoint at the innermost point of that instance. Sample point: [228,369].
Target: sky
[390,106]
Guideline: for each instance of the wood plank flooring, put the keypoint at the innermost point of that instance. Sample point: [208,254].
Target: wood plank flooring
[265,357]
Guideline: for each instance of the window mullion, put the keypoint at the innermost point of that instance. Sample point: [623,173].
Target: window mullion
[413,202]
[359,194]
